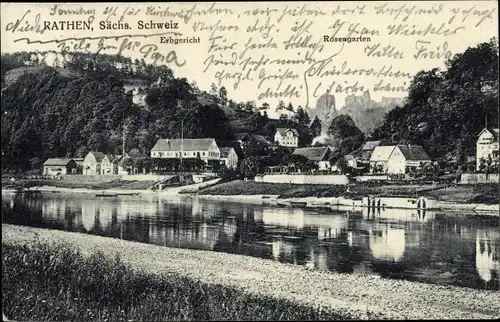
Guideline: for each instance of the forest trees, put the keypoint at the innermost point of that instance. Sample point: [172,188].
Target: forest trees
[445,110]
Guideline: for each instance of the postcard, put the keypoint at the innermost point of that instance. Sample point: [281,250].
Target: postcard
[266,160]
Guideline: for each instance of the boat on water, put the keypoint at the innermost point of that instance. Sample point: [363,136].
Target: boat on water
[105,195]
[292,203]
[127,194]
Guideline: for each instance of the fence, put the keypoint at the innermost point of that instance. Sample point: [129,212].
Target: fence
[470,178]
[108,178]
[303,179]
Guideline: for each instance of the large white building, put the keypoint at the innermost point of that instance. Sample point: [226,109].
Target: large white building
[204,149]
[287,137]
[398,159]
[487,146]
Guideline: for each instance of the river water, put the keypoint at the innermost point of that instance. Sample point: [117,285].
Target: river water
[448,249]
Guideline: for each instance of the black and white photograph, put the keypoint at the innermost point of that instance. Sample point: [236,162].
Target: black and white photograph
[262,161]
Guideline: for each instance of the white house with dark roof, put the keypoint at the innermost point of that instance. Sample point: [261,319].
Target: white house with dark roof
[59,166]
[487,146]
[109,164]
[92,163]
[204,149]
[228,157]
[320,155]
[287,137]
[398,159]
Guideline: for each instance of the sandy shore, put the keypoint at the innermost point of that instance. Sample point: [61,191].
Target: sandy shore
[389,299]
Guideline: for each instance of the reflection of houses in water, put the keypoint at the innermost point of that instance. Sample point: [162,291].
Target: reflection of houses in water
[105,214]
[282,249]
[197,235]
[54,208]
[89,212]
[328,226]
[318,260]
[399,215]
[487,254]
[283,217]
[387,244]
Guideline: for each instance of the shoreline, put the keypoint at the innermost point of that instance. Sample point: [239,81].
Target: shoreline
[340,203]
[343,293]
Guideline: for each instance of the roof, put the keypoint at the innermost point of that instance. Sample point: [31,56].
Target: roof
[98,155]
[313,154]
[283,130]
[495,132]
[413,152]
[382,153]
[370,145]
[112,157]
[224,152]
[187,144]
[57,162]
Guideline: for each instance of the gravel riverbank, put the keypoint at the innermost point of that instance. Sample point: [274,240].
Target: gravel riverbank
[361,296]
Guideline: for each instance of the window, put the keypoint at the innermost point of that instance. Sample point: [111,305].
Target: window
[204,153]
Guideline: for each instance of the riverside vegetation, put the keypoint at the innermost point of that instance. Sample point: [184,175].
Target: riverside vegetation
[483,193]
[56,282]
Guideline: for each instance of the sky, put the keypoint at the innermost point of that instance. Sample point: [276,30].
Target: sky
[258,50]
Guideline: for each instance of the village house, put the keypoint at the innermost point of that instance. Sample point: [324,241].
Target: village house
[228,157]
[204,149]
[92,163]
[487,146]
[59,166]
[367,149]
[320,155]
[398,159]
[109,165]
[287,137]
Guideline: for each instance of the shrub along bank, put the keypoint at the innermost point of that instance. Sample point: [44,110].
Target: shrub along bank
[55,282]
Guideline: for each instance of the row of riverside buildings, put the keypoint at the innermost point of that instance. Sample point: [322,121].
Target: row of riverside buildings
[99,163]
[393,159]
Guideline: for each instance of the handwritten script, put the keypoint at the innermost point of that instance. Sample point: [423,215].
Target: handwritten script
[276,51]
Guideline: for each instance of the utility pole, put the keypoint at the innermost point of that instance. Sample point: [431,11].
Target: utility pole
[182,140]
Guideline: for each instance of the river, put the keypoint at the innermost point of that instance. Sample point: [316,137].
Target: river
[448,249]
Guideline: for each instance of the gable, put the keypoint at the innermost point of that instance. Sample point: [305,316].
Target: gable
[382,153]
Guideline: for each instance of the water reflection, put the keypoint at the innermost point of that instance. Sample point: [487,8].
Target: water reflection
[390,243]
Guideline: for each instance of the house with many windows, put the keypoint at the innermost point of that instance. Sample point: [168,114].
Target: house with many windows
[487,147]
[287,137]
[228,157]
[204,149]
[398,159]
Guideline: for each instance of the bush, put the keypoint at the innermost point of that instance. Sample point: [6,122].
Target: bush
[56,282]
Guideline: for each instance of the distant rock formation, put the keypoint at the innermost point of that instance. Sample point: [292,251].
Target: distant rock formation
[325,110]
[365,112]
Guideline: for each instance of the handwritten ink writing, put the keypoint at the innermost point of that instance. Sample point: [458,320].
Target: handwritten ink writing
[23,25]
[377,50]
[423,51]
[218,44]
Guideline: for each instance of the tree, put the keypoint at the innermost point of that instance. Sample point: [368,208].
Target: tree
[250,166]
[281,107]
[213,89]
[344,136]
[316,127]
[445,110]
[223,95]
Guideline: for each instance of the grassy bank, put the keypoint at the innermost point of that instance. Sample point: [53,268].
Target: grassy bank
[242,287]
[115,184]
[284,190]
[55,282]
[484,193]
